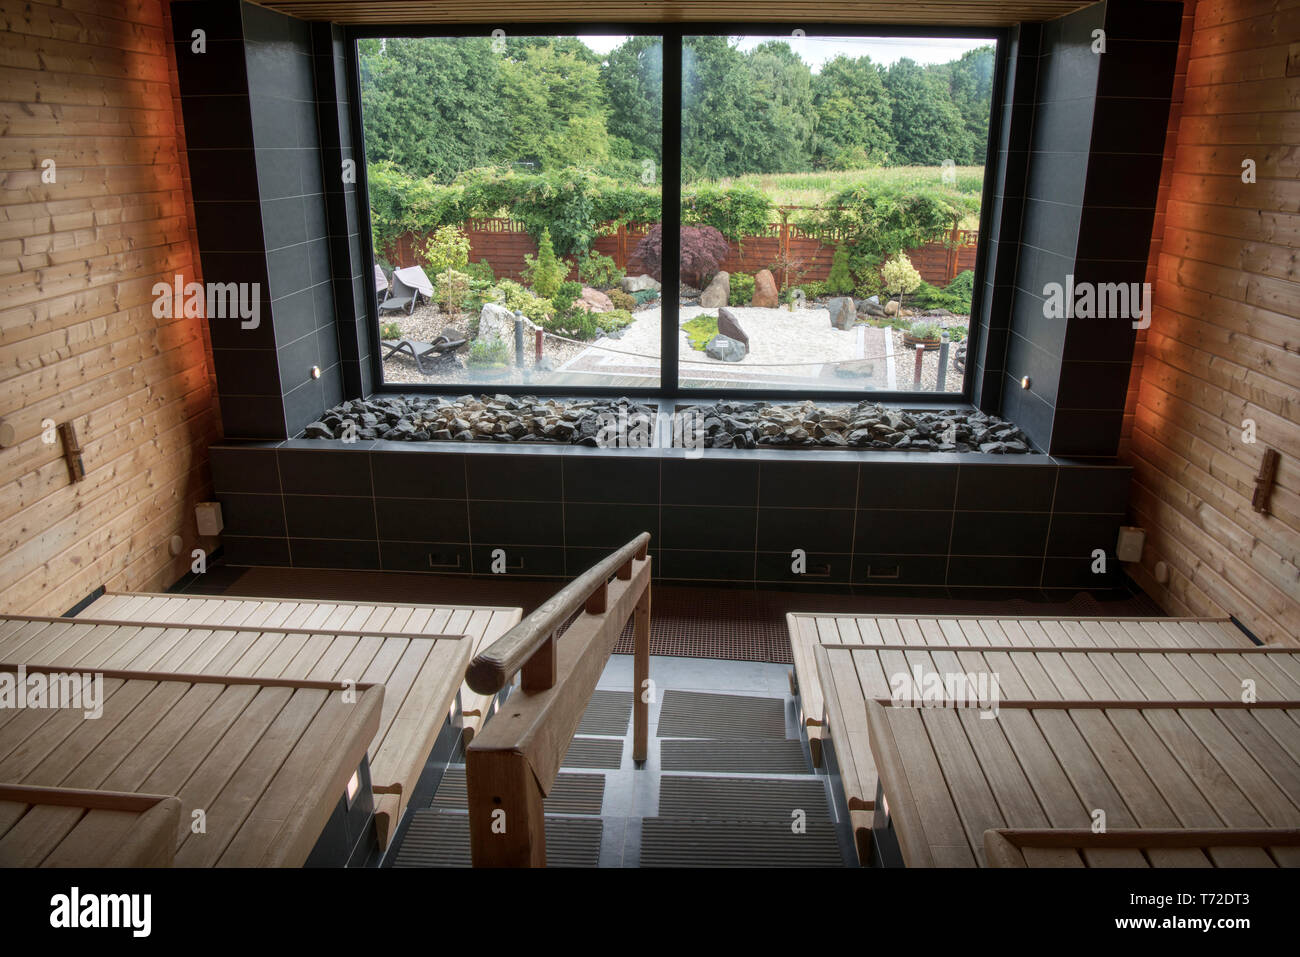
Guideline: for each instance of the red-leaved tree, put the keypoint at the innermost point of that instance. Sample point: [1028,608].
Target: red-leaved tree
[703,248]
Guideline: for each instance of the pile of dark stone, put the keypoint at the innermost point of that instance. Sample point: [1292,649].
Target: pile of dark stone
[867,425]
[499,418]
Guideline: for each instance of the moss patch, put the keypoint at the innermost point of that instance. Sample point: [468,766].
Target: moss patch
[700,330]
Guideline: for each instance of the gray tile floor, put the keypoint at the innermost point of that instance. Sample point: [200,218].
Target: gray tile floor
[632,794]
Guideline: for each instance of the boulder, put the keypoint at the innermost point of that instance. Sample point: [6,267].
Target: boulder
[891,307]
[594,300]
[729,326]
[717,292]
[765,296]
[726,349]
[639,283]
[496,322]
[843,315]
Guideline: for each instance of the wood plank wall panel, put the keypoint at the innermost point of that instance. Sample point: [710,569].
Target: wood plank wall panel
[92,86]
[1224,344]
[978,12]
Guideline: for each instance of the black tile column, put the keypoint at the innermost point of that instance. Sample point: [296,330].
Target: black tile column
[250,107]
[1095,138]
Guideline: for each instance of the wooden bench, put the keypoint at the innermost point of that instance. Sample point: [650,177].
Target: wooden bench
[420,673]
[1158,847]
[482,625]
[265,760]
[851,674]
[947,776]
[69,827]
[807,632]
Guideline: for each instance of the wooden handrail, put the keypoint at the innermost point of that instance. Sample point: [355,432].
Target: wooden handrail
[494,667]
[513,761]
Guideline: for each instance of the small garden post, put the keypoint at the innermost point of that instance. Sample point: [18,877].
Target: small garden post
[943,362]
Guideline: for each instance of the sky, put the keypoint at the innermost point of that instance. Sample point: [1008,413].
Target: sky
[817,50]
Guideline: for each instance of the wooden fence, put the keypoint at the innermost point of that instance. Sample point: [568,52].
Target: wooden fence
[504,243]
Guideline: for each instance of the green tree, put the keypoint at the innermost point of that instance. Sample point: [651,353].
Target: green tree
[431,104]
[556,108]
[852,115]
[840,280]
[927,126]
[970,85]
[633,76]
[781,108]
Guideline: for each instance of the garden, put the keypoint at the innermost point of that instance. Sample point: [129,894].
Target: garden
[828,213]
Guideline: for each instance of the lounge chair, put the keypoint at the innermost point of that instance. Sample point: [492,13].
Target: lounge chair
[420,351]
[381,284]
[409,284]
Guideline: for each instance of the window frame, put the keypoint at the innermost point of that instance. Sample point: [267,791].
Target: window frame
[673,35]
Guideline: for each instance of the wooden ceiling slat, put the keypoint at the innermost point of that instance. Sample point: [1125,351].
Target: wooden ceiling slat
[926,12]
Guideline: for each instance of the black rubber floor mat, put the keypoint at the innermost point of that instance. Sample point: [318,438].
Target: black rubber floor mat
[667,842]
[607,713]
[755,757]
[571,793]
[594,753]
[437,838]
[693,714]
[742,799]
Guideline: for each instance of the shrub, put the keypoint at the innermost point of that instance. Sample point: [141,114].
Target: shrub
[899,276]
[735,212]
[518,299]
[840,281]
[565,296]
[742,289]
[956,333]
[390,330]
[614,320]
[622,300]
[599,271]
[815,289]
[702,249]
[447,248]
[481,270]
[955,297]
[925,330]
[488,352]
[700,330]
[545,272]
[452,289]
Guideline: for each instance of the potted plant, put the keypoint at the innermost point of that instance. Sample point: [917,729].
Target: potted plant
[927,334]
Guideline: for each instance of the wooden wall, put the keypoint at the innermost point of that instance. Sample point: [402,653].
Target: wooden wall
[1224,344]
[91,85]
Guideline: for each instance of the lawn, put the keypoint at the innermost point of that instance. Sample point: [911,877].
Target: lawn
[813,189]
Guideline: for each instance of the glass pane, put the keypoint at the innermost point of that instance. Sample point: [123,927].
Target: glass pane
[830,209]
[511,180]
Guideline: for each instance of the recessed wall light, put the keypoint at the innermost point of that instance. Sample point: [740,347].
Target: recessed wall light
[1024,382]
[315,372]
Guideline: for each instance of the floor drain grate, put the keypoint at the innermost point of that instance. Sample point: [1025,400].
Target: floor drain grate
[607,713]
[694,714]
[571,793]
[676,843]
[437,838]
[742,799]
[766,757]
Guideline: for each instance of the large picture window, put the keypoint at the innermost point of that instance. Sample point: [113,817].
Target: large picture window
[816,233]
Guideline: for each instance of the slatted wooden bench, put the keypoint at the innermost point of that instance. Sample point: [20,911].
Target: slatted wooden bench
[266,760]
[69,827]
[947,776]
[420,674]
[482,625]
[807,631]
[851,674]
[1157,847]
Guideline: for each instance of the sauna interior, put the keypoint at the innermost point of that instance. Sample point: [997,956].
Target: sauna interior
[371,500]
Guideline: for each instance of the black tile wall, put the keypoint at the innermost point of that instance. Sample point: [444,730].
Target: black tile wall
[1088,184]
[1026,523]
[258,133]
